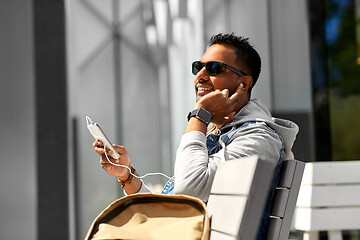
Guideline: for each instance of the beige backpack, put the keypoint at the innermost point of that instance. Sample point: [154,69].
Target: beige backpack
[152,217]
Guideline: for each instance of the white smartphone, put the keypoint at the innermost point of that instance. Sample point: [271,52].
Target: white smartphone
[98,134]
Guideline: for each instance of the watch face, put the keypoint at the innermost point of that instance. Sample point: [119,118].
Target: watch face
[200,113]
[204,115]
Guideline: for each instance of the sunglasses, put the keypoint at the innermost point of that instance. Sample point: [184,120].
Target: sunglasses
[214,68]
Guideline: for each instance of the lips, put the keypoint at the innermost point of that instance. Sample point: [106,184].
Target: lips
[203,87]
[202,91]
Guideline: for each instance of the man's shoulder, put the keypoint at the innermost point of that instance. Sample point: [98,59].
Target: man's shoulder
[258,130]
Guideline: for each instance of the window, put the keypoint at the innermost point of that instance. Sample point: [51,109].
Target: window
[335,47]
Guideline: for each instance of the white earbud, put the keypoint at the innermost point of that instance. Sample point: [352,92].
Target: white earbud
[242,85]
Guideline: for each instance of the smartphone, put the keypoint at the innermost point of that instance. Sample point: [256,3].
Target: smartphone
[99,134]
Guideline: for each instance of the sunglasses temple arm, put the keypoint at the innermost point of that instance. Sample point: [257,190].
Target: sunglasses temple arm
[238,71]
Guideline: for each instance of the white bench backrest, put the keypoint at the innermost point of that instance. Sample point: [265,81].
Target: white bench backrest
[237,198]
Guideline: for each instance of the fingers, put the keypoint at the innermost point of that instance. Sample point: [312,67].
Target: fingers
[236,95]
[113,170]
[120,149]
[116,167]
[107,167]
[120,170]
[225,92]
[106,157]
[104,161]
[99,148]
[230,116]
[97,143]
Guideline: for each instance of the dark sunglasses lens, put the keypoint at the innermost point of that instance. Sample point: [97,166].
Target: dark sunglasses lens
[213,68]
[197,66]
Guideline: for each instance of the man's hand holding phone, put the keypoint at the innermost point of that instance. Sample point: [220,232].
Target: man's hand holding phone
[115,160]
[114,156]
[117,171]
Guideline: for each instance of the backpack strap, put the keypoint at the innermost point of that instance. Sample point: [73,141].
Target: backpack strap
[215,142]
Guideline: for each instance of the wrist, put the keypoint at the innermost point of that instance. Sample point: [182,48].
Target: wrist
[129,177]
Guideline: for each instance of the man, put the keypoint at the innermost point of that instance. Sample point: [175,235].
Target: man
[240,127]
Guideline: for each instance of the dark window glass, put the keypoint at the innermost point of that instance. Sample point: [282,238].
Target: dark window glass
[343,78]
[335,60]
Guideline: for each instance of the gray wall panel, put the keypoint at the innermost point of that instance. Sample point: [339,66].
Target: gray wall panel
[17,120]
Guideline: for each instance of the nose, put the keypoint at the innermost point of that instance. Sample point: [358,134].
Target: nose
[202,75]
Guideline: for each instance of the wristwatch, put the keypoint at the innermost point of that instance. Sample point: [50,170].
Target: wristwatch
[201,114]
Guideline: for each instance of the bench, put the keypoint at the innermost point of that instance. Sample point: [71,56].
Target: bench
[329,199]
[238,198]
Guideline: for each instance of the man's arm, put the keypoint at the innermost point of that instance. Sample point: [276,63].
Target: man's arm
[195,170]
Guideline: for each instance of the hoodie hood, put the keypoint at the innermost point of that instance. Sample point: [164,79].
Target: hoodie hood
[256,111]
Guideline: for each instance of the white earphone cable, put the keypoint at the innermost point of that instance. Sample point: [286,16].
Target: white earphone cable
[120,165]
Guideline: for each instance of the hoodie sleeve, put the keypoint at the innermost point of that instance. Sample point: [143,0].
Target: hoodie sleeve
[195,170]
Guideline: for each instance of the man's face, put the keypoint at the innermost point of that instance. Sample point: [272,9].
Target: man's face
[227,79]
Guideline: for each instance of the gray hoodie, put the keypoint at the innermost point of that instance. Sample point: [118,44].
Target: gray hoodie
[195,168]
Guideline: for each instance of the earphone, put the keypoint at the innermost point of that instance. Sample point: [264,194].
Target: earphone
[242,85]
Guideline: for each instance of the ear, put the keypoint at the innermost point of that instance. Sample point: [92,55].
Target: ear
[246,82]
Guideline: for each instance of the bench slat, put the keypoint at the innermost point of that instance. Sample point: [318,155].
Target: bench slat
[214,235]
[331,172]
[287,174]
[226,212]
[280,202]
[229,175]
[274,228]
[329,196]
[324,219]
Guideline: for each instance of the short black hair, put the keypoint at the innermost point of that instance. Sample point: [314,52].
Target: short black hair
[245,52]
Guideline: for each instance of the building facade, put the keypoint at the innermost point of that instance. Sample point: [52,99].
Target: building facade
[126,65]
